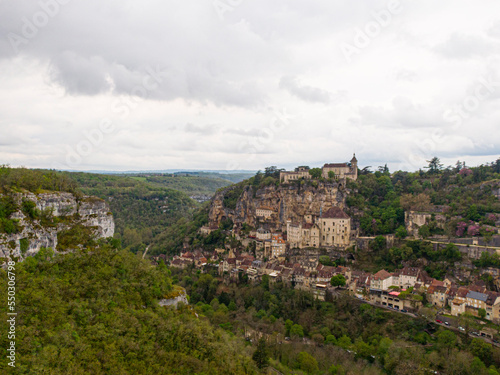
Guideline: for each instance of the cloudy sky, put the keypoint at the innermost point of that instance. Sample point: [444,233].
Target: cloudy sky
[243,84]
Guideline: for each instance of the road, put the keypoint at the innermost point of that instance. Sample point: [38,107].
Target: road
[442,318]
[450,322]
[145,251]
[461,244]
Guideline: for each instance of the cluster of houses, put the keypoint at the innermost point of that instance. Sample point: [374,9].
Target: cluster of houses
[400,289]
[331,228]
[403,289]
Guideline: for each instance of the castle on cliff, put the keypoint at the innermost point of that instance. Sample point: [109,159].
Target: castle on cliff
[339,170]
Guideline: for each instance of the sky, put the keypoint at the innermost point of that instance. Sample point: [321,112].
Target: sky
[240,84]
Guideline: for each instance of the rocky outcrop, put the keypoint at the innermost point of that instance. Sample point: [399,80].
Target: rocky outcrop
[65,211]
[288,201]
[174,301]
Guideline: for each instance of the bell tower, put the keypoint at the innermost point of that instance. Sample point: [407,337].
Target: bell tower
[354,167]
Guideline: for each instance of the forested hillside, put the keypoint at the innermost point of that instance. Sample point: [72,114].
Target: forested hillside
[337,336]
[187,183]
[96,312]
[141,210]
[380,199]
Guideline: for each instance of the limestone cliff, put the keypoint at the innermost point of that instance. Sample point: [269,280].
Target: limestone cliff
[288,201]
[57,212]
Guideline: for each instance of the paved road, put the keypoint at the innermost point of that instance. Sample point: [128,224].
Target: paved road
[450,321]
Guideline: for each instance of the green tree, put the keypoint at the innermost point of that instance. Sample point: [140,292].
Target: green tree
[338,280]
[424,231]
[307,362]
[446,340]
[481,349]
[331,174]
[378,244]
[434,165]
[261,354]
[344,342]
[336,370]
[482,313]
[401,232]
[297,331]
[330,339]
[315,173]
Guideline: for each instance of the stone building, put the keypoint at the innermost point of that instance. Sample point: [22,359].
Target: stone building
[299,173]
[341,170]
[264,212]
[278,246]
[331,228]
[335,227]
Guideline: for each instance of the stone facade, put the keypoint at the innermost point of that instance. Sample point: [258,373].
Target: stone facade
[330,229]
[340,170]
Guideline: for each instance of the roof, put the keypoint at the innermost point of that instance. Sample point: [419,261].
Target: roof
[334,213]
[336,165]
[381,275]
[479,296]
[436,282]
[407,271]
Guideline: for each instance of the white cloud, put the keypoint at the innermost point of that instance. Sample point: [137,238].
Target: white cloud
[183,88]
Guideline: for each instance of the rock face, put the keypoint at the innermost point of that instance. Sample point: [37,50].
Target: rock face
[288,201]
[69,211]
[182,297]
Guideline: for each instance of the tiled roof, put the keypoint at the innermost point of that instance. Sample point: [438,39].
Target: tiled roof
[462,292]
[336,165]
[335,213]
[381,275]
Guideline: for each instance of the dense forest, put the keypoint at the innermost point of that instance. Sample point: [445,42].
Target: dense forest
[97,312]
[141,210]
[464,192]
[189,184]
[339,336]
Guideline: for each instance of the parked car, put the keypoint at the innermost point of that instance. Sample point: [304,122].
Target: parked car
[461,329]
[439,321]
[447,323]
[404,311]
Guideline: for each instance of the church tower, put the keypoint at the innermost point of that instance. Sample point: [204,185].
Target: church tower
[354,167]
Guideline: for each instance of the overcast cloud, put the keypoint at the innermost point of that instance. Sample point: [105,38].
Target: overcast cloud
[129,85]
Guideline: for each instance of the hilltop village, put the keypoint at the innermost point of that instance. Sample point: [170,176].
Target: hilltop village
[300,232]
